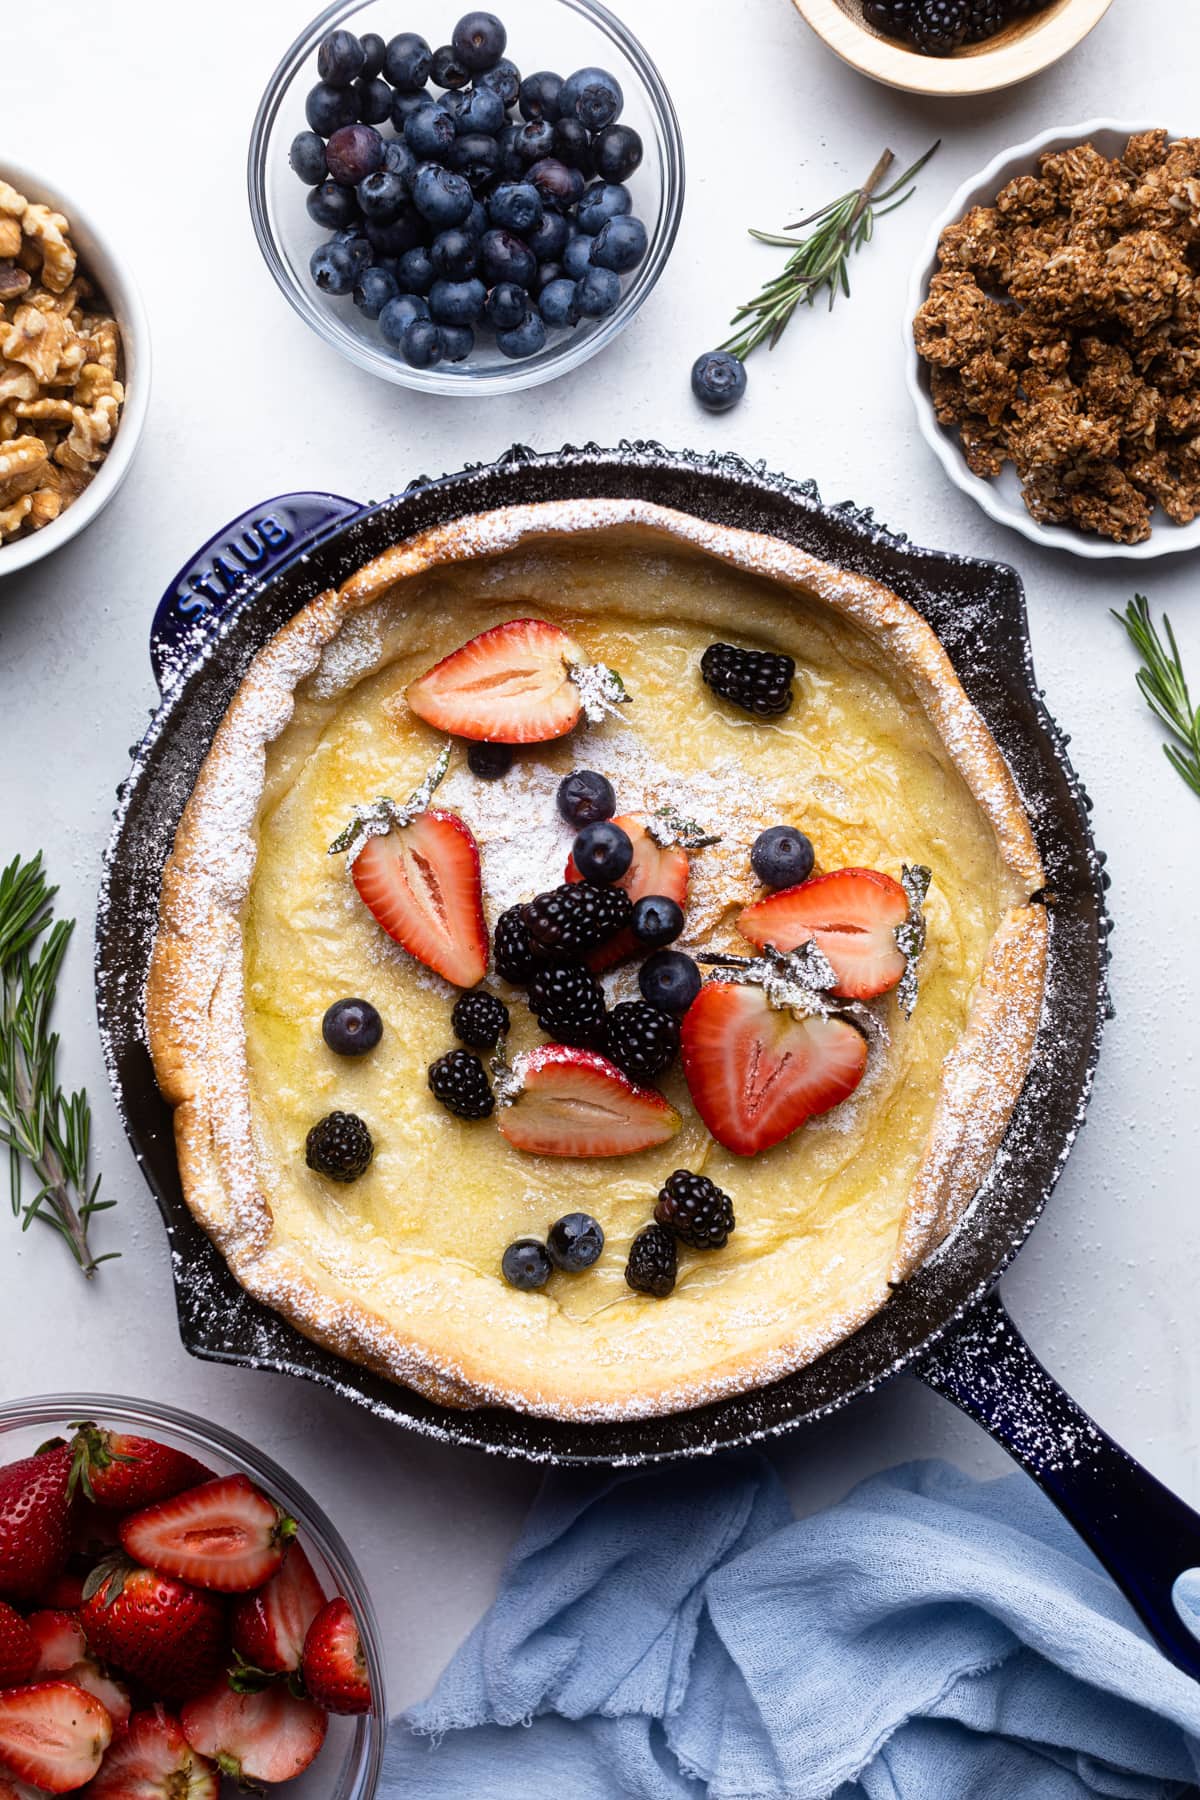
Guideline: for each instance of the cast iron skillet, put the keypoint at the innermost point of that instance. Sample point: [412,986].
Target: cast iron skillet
[946,1323]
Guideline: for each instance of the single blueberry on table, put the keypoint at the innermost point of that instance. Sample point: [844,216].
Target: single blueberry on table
[332,206]
[584,797]
[421,345]
[515,206]
[621,245]
[503,79]
[574,1242]
[351,1027]
[398,159]
[558,185]
[340,58]
[573,145]
[782,856]
[416,272]
[476,157]
[383,196]
[506,307]
[375,288]
[479,41]
[489,761]
[446,71]
[429,132]
[333,268]
[592,96]
[454,254]
[558,303]
[718,380]
[657,920]
[458,341]
[327,109]
[503,257]
[528,338]
[577,257]
[441,196]
[602,852]
[307,157]
[374,50]
[398,315]
[548,238]
[483,111]
[669,980]
[526,1265]
[353,153]
[539,96]
[457,302]
[534,141]
[407,61]
[374,101]
[405,230]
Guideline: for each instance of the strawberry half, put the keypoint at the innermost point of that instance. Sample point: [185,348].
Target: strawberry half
[59,1638]
[756,1072]
[112,1694]
[422,883]
[18,1648]
[852,914]
[655,869]
[154,1761]
[225,1535]
[513,685]
[335,1669]
[267,1736]
[35,1521]
[53,1734]
[577,1103]
[170,1637]
[270,1625]
[117,1470]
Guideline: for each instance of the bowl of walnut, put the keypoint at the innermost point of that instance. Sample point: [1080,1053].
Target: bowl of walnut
[74,368]
[1053,341]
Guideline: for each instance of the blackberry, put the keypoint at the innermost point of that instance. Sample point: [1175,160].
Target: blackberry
[513,950]
[939,27]
[892,17]
[339,1147]
[574,918]
[758,681]
[479,1019]
[696,1210]
[490,761]
[642,1041]
[985,18]
[652,1262]
[460,1082]
[568,1003]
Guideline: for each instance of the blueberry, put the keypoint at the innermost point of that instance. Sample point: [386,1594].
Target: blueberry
[446,70]
[476,221]
[585,797]
[603,201]
[441,196]
[548,238]
[559,186]
[539,96]
[405,230]
[405,105]
[479,41]
[669,980]
[398,159]
[592,96]
[458,341]
[476,157]
[454,254]
[507,305]
[332,206]
[547,272]
[598,293]
[528,338]
[421,344]
[512,164]
[382,196]
[307,157]
[657,920]
[718,380]
[328,108]
[573,146]
[484,111]
[621,245]
[503,257]
[454,103]
[525,1264]
[375,288]
[574,1242]
[782,856]
[534,141]
[490,761]
[374,101]
[374,50]
[557,302]
[407,61]
[353,153]
[457,302]
[602,852]
[429,132]
[502,79]
[352,239]
[351,1027]
[618,152]
[398,315]
[515,206]
[333,268]
[577,257]
[340,58]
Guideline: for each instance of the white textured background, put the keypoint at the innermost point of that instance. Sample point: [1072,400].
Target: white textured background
[144,111]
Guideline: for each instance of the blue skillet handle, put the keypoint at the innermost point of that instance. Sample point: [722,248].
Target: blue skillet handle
[1145,1536]
[250,548]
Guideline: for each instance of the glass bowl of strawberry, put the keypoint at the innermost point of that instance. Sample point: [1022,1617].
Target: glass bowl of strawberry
[176,1615]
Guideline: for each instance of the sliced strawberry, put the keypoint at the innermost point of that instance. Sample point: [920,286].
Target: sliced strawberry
[154,1761]
[509,684]
[59,1638]
[270,1626]
[112,1694]
[852,914]
[756,1073]
[18,1648]
[168,1636]
[225,1535]
[267,1736]
[35,1521]
[53,1734]
[119,1471]
[655,869]
[335,1669]
[577,1103]
[423,885]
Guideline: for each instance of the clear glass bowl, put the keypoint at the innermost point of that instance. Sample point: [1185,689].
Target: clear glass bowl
[349,1764]
[542,34]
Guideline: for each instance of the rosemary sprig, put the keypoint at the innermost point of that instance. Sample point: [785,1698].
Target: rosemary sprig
[42,1125]
[820,260]
[1164,686]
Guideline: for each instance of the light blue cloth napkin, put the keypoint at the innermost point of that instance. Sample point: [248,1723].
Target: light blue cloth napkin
[676,1634]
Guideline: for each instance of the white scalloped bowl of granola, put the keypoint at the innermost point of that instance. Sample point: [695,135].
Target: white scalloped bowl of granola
[88,425]
[1000,495]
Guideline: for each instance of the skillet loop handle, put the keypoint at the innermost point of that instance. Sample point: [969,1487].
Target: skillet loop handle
[249,549]
[1145,1536]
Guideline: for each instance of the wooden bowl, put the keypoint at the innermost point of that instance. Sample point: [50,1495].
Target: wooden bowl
[1022,49]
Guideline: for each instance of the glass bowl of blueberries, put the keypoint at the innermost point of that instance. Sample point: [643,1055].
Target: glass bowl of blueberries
[453,218]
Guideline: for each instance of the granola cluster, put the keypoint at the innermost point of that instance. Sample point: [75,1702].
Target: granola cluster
[1062,332]
[60,398]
